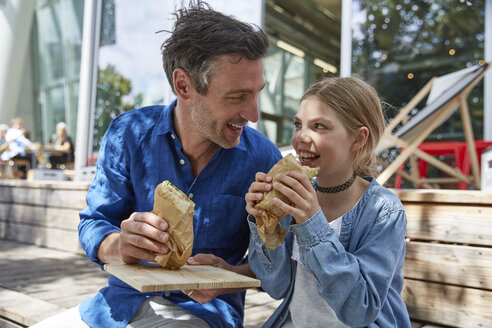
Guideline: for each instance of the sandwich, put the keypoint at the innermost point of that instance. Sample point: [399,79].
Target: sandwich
[173,205]
[269,229]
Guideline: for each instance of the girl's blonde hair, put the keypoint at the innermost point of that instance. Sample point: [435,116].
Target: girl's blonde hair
[357,104]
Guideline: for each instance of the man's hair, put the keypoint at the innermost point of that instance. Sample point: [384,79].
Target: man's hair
[357,104]
[201,34]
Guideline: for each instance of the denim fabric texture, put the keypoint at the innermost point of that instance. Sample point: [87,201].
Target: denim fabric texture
[140,150]
[359,274]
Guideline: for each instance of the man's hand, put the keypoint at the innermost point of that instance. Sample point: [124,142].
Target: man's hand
[142,235]
[206,295]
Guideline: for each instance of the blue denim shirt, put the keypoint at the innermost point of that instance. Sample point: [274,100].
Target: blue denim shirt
[139,151]
[359,275]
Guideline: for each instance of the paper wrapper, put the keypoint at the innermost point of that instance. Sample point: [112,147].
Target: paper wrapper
[173,205]
[270,231]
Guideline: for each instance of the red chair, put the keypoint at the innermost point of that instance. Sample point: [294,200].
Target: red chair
[480,146]
[437,148]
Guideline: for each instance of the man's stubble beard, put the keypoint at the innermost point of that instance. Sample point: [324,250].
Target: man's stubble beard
[205,125]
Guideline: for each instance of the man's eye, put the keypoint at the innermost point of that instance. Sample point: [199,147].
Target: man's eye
[241,97]
[297,125]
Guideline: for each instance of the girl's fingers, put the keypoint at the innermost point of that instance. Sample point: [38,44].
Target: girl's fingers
[291,187]
[303,179]
[263,177]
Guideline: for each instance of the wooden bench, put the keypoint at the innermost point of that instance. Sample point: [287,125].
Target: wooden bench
[448,263]
[42,213]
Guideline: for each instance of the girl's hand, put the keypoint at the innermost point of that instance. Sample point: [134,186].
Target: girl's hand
[262,184]
[297,187]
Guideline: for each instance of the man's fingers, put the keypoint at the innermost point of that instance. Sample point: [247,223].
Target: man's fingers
[151,219]
[143,228]
[132,254]
[208,259]
[143,242]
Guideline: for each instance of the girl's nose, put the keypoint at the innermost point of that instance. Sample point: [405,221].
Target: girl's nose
[302,136]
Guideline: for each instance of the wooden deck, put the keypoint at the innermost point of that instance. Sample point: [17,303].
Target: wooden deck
[44,282]
[44,271]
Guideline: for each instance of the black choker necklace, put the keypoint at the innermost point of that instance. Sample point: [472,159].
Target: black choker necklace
[342,187]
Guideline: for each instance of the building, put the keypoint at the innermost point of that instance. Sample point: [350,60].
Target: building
[84,62]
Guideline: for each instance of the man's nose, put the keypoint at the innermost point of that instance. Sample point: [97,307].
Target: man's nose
[251,111]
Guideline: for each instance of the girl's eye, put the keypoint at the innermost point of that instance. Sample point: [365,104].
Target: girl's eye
[319,126]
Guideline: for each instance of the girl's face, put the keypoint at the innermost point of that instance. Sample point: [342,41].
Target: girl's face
[321,140]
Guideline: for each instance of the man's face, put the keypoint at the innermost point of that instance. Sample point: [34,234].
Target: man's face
[231,100]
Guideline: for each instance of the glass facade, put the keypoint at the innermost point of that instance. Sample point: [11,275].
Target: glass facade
[400,45]
[56,49]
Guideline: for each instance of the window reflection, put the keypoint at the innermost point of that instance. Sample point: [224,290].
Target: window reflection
[57,40]
[400,45]
[130,73]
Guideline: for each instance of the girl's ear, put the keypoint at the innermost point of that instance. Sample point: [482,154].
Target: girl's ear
[182,83]
[360,138]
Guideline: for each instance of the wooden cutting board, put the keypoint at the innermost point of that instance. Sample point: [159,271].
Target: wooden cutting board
[151,277]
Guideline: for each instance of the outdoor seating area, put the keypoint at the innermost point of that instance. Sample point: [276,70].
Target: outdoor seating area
[447,272]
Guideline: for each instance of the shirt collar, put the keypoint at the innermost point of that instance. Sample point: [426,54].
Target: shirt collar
[166,124]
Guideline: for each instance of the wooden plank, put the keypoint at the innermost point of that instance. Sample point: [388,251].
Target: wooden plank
[49,217]
[62,198]
[60,239]
[152,277]
[444,196]
[457,265]
[25,309]
[441,222]
[448,305]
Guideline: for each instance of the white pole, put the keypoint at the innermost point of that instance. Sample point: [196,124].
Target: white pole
[88,83]
[346,39]
[487,85]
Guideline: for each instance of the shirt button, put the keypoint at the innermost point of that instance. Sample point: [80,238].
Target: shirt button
[190,195]
[182,161]
[167,294]
[173,136]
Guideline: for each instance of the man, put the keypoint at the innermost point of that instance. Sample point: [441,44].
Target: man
[201,143]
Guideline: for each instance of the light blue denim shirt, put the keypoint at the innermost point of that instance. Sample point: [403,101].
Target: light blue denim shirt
[359,275]
[140,150]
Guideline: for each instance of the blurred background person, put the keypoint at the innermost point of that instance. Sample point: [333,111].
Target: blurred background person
[18,144]
[62,143]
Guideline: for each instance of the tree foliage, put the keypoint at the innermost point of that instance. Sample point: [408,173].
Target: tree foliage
[112,91]
[401,44]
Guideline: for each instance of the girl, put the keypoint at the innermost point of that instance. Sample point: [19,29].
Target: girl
[341,262]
